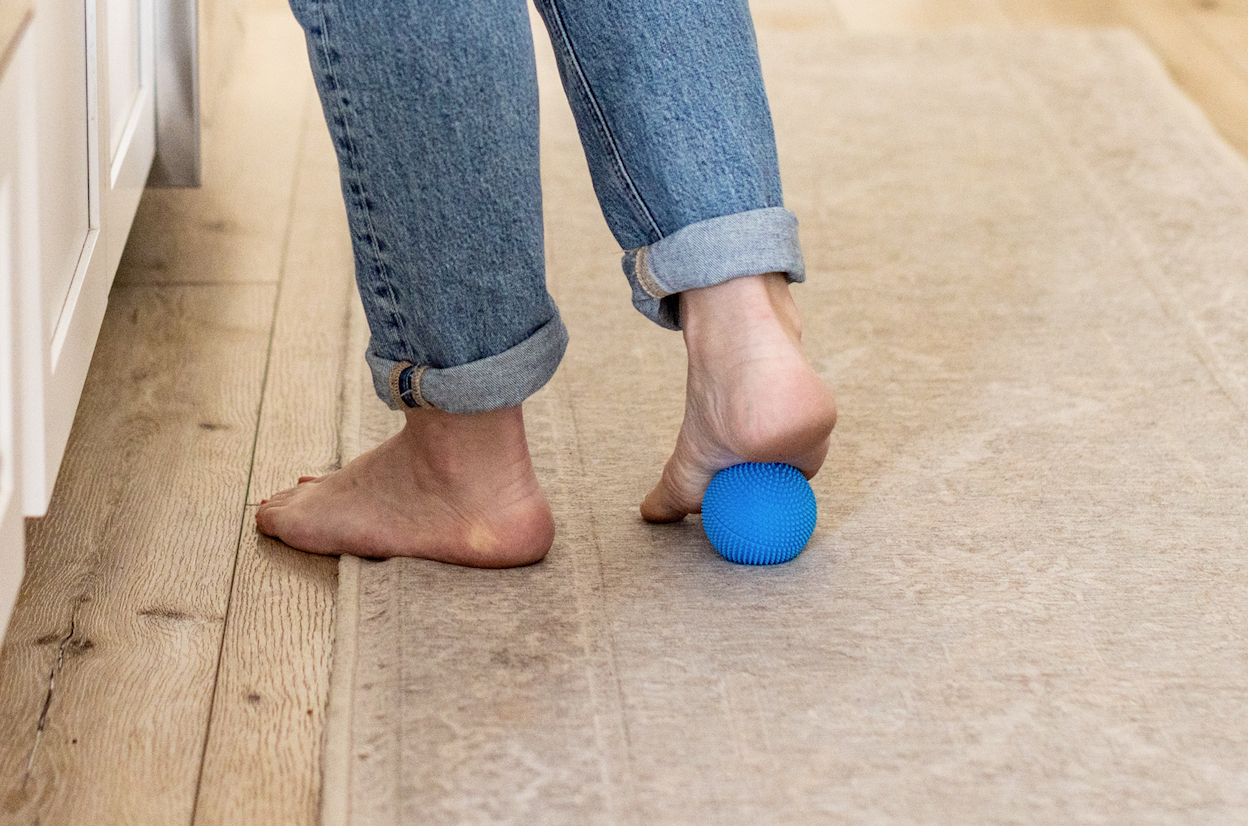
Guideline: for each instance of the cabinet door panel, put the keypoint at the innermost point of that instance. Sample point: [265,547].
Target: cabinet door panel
[19,269]
[63,151]
[109,43]
[125,80]
[126,62]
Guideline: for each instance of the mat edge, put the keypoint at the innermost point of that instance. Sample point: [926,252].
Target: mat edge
[336,741]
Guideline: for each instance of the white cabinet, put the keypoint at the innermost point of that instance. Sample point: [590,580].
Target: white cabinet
[61,121]
[95,120]
[78,128]
[19,271]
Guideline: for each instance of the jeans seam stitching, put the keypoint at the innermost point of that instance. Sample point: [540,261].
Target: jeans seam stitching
[370,230]
[600,121]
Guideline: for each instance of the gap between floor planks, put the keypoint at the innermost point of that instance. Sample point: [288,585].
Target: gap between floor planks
[122,689]
[112,656]
[262,762]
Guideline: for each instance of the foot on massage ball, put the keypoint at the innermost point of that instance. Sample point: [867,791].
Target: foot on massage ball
[759,514]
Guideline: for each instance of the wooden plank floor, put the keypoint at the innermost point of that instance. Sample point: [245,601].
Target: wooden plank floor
[167,666]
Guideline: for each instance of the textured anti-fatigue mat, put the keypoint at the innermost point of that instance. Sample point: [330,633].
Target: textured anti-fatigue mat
[1025,600]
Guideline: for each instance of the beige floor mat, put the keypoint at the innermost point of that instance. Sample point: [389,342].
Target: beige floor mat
[1025,600]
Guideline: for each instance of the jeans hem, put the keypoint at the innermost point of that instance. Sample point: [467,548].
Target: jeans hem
[711,252]
[492,383]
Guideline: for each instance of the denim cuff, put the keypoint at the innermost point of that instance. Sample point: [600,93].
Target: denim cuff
[492,383]
[711,252]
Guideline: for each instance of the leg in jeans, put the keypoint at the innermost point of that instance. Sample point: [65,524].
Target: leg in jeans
[433,110]
[675,124]
[671,110]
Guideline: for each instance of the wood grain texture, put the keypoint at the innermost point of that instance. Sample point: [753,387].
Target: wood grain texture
[337,754]
[233,229]
[108,669]
[222,27]
[262,763]
[918,15]
[1226,23]
[1198,62]
[1064,13]
[795,15]
[1204,43]
[298,432]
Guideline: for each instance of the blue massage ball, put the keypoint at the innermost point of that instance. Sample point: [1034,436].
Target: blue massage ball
[759,514]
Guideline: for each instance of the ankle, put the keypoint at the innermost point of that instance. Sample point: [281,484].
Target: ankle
[464,444]
[730,307]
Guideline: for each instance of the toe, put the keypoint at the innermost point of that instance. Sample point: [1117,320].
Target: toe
[265,520]
[658,506]
[679,492]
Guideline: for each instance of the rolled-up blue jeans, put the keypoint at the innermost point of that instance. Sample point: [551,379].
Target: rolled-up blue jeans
[433,110]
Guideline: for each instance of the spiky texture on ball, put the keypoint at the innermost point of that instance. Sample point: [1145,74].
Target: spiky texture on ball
[759,514]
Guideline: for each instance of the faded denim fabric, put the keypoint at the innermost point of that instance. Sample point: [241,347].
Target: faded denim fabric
[433,109]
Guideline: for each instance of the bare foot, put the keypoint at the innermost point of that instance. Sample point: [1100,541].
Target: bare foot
[750,395]
[454,488]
